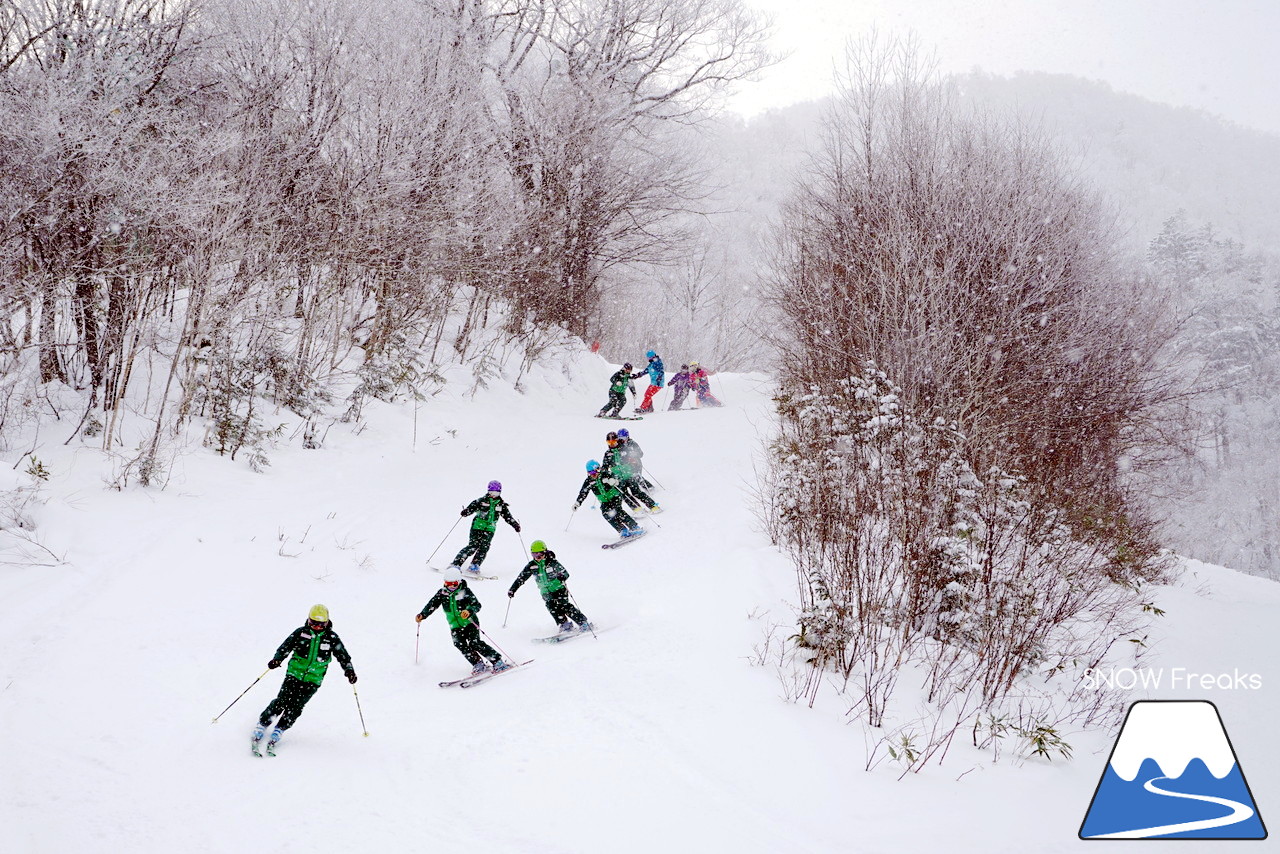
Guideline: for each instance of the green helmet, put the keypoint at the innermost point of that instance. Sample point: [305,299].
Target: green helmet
[538,546]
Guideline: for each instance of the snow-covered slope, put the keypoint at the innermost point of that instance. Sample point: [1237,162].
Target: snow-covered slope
[660,735]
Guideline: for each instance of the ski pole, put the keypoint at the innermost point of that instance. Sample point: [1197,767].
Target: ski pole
[649,475]
[574,600]
[508,614]
[242,693]
[360,710]
[446,536]
[500,650]
[417,637]
[570,522]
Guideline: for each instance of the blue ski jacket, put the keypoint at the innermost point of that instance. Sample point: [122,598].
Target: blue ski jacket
[656,373]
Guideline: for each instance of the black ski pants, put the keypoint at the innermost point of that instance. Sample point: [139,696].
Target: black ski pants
[617,400]
[562,607]
[613,513]
[477,546]
[294,694]
[635,491]
[468,641]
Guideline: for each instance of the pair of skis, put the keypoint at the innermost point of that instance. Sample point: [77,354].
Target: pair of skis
[566,636]
[622,541]
[468,575]
[477,678]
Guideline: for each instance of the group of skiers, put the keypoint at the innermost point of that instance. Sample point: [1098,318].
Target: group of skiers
[618,483]
[691,377]
[313,645]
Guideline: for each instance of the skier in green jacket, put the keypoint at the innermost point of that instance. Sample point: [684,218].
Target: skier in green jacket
[618,384]
[605,487]
[487,508]
[551,576]
[617,463]
[461,610]
[312,647]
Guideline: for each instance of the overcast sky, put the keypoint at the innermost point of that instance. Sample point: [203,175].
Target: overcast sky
[1223,56]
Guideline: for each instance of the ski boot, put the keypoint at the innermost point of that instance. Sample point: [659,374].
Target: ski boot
[566,627]
[500,665]
[479,668]
[274,741]
[259,733]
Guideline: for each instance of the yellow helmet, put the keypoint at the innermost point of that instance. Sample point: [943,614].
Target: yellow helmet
[319,612]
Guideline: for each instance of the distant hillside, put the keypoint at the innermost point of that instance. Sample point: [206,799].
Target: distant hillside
[1152,159]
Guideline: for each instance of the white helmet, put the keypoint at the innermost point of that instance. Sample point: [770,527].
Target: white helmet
[452,575]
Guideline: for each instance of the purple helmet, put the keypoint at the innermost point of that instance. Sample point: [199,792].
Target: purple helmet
[624,433]
[495,486]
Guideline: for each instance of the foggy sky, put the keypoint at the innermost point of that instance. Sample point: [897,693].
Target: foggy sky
[1221,57]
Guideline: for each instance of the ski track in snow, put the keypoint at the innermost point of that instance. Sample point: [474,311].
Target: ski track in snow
[1239,812]
[659,735]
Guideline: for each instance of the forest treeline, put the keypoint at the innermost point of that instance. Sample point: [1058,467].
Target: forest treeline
[248,192]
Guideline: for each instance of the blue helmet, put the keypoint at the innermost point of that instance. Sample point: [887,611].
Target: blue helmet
[650,354]
[624,433]
[592,465]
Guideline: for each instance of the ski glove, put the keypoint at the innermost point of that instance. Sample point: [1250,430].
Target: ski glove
[516,525]
[464,613]
[351,676]
[417,618]
[273,663]
[576,505]
[511,594]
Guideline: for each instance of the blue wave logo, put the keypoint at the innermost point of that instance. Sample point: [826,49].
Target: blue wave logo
[1173,774]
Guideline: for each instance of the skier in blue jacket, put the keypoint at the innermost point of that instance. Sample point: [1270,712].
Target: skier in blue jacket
[656,376]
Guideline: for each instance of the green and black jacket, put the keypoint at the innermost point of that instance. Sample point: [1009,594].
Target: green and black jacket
[615,462]
[454,602]
[619,381]
[487,510]
[312,652]
[631,455]
[604,486]
[550,573]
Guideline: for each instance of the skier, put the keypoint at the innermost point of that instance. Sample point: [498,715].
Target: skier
[680,385]
[311,647]
[551,576]
[618,384]
[605,487]
[615,463]
[702,385]
[633,456]
[486,508]
[461,609]
[655,372]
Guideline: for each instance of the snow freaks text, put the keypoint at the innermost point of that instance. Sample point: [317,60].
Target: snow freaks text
[1173,678]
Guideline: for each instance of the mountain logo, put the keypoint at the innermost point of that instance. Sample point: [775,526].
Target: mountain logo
[1173,774]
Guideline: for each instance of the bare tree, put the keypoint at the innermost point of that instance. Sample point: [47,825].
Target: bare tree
[594,96]
[957,253]
[972,379]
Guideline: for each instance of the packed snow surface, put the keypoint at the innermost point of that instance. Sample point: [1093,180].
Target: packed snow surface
[661,735]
